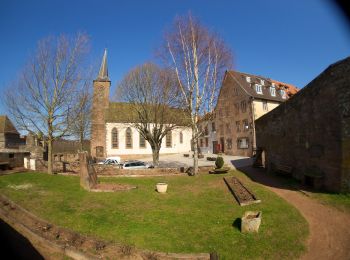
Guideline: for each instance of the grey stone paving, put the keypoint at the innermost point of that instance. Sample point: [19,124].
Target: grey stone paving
[178,160]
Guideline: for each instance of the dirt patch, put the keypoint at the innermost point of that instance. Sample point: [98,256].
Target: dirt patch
[242,194]
[329,227]
[73,244]
[112,187]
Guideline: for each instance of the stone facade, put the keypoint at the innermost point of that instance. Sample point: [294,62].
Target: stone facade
[243,98]
[99,105]
[310,133]
[208,143]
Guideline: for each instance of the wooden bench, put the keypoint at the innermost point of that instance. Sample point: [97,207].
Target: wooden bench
[284,168]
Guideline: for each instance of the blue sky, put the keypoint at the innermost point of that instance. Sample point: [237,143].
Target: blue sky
[290,41]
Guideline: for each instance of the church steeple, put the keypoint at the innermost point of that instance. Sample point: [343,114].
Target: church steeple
[103,74]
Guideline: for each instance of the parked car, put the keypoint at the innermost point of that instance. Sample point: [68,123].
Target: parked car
[111,160]
[136,165]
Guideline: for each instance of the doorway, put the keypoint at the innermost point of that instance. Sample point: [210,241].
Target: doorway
[222,143]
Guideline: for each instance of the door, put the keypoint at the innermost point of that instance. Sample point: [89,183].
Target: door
[222,142]
[215,147]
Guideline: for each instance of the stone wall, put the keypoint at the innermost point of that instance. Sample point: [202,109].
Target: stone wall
[311,131]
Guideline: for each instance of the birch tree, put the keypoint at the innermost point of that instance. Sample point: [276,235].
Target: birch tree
[199,59]
[44,97]
[152,94]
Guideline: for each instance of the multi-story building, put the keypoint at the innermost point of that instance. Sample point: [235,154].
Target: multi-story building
[244,98]
[207,143]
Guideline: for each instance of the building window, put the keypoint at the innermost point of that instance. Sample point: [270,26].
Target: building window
[273,91]
[168,138]
[201,142]
[242,143]
[206,132]
[283,93]
[243,106]
[213,129]
[265,106]
[238,126]
[228,129]
[181,138]
[206,142]
[258,88]
[237,108]
[142,141]
[221,129]
[245,125]
[229,143]
[128,138]
[115,143]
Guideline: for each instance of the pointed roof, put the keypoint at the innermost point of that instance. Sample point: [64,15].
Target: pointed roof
[103,74]
[6,125]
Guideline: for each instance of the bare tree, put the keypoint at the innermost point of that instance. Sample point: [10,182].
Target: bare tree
[152,94]
[199,59]
[80,125]
[45,94]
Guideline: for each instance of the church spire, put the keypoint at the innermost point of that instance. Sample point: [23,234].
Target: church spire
[103,74]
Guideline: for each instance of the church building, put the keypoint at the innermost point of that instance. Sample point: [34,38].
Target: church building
[113,134]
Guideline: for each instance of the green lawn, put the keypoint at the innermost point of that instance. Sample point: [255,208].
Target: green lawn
[340,201]
[196,215]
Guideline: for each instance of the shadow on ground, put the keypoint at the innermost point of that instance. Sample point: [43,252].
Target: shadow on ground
[275,180]
[15,246]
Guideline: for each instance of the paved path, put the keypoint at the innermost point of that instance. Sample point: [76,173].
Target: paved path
[178,160]
[329,227]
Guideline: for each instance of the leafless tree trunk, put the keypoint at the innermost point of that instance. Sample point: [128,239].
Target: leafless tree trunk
[81,116]
[152,95]
[44,97]
[199,59]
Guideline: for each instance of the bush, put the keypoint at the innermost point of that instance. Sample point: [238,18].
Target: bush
[219,162]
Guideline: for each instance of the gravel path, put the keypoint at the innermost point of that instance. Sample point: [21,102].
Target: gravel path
[329,228]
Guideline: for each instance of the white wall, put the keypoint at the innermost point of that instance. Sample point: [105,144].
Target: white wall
[211,137]
[122,150]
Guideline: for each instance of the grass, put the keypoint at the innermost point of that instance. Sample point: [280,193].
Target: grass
[197,214]
[338,200]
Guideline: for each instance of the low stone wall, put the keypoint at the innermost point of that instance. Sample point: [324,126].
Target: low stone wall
[115,170]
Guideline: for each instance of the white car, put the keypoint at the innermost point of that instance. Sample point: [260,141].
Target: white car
[136,165]
[111,160]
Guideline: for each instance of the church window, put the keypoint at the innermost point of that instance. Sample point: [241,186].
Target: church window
[128,138]
[181,138]
[115,143]
[168,139]
[142,141]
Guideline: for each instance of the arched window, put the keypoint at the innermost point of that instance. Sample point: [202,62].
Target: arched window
[142,141]
[115,141]
[168,139]
[181,138]
[128,138]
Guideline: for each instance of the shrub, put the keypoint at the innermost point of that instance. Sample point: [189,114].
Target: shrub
[219,162]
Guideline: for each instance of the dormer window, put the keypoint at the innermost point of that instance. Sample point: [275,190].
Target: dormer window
[273,91]
[247,79]
[262,82]
[283,93]
[258,88]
